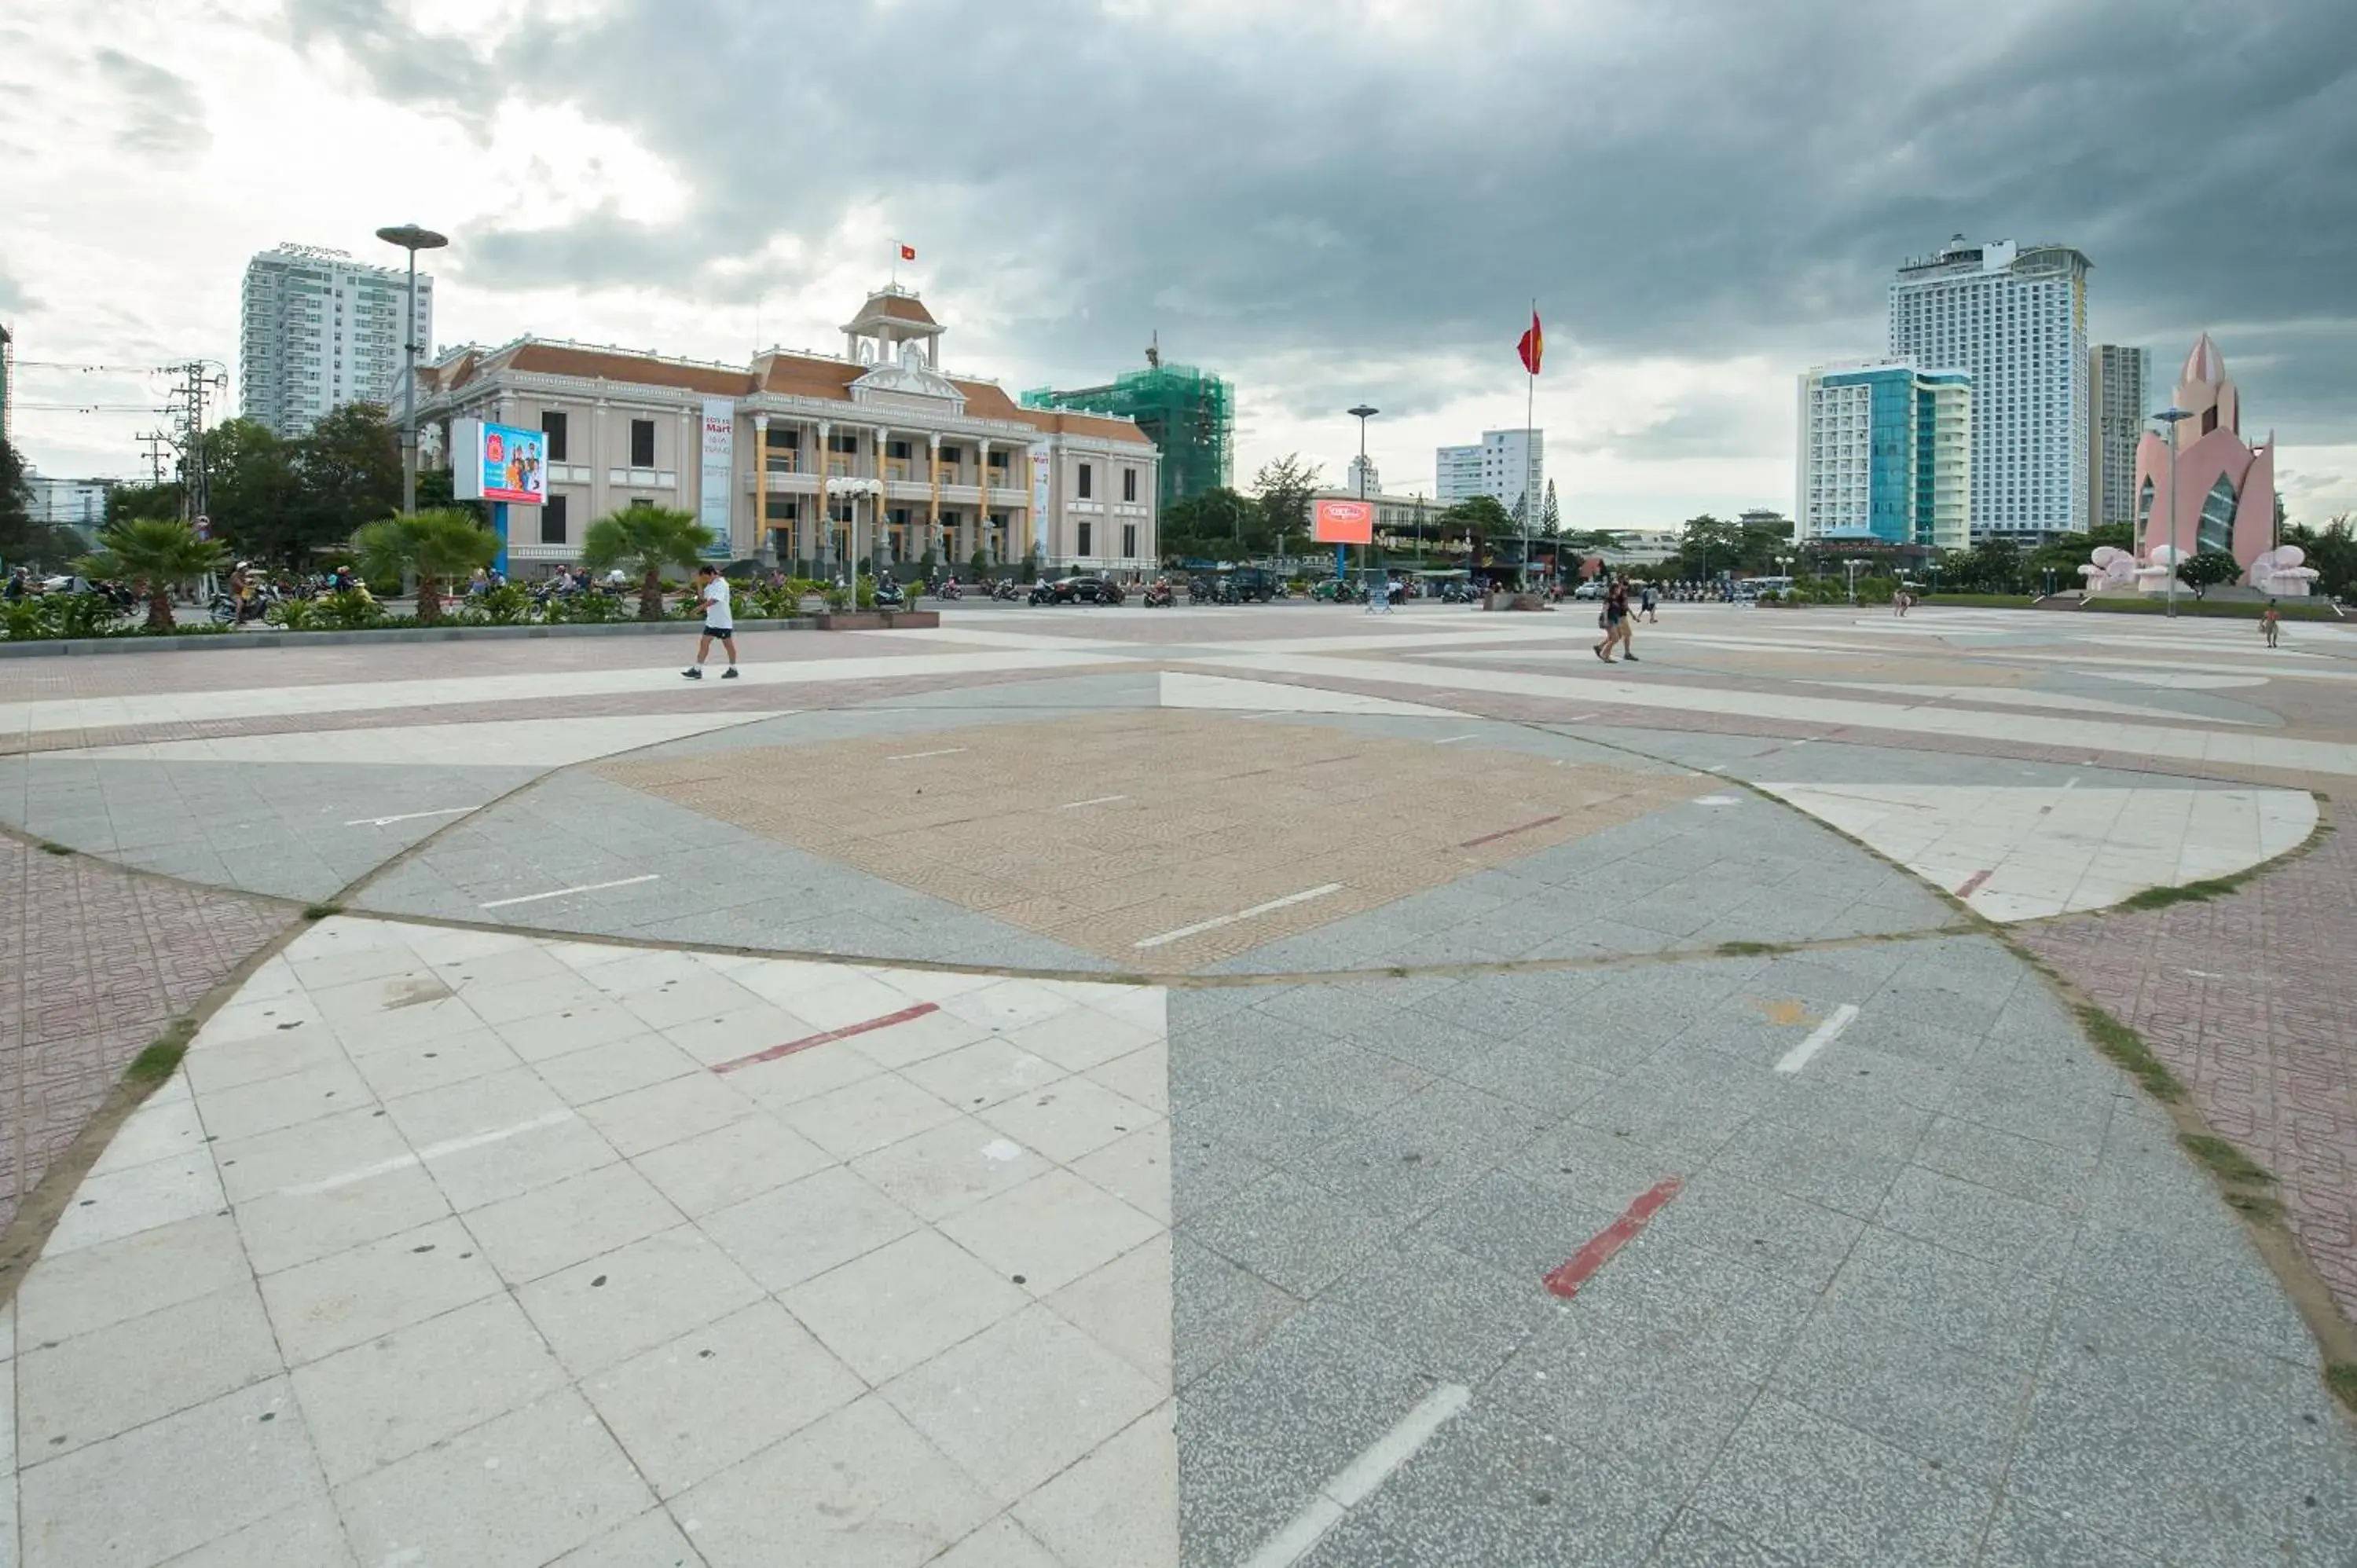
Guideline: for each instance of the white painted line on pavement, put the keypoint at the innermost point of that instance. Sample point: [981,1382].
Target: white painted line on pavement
[430,1152]
[1453,739]
[1216,921]
[1092,800]
[1357,1481]
[912,755]
[1819,1039]
[564,892]
[406,817]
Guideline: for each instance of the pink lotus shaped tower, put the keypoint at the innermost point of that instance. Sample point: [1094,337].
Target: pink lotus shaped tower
[2226,493]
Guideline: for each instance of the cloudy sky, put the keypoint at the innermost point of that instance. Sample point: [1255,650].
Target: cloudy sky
[1326,200]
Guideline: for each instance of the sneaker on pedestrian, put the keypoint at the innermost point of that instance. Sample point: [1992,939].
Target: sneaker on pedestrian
[1629,657]
[693,673]
[729,673]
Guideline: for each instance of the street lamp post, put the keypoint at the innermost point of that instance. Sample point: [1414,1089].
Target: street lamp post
[1362,414]
[1854,566]
[2172,416]
[412,239]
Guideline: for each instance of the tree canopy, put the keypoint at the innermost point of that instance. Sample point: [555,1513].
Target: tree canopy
[279,500]
[1283,488]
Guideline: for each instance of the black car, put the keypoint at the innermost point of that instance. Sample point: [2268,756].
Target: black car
[1082,588]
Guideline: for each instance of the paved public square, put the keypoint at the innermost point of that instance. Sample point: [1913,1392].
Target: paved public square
[1230,1087]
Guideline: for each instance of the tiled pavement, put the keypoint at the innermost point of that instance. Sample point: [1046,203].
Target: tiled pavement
[463,1247]
[1927,1282]
[98,963]
[2251,999]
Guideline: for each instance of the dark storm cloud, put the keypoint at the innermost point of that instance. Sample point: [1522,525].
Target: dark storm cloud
[160,115]
[1703,180]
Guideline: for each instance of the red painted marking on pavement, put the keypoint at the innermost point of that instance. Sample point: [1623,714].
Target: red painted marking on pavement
[1565,1280]
[1974,882]
[1509,832]
[823,1036]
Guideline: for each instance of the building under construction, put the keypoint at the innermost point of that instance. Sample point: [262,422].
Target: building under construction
[1188,414]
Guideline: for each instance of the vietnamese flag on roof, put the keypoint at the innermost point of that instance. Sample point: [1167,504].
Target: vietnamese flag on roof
[1532,346]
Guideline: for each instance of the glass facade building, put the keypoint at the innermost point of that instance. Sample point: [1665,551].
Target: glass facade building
[1886,454]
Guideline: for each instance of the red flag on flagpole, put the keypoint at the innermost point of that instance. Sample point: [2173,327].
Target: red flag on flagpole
[1533,346]
[907,252]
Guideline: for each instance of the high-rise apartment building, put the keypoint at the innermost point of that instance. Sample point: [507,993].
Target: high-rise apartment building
[1886,454]
[2118,383]
[1503,464]
[2015,319]
[321,330]
[1362,477]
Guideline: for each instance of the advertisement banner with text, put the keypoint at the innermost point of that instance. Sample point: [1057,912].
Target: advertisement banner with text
[1343,522]
[719,468]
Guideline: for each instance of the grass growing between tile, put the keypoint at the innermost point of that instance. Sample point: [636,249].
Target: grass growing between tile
[2340,1377]
[321,911]
[51,846]
[2124,1046]
[2227,1161]
[154,1065]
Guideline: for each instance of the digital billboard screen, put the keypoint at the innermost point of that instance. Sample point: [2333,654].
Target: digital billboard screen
[497,463]
[1343,522]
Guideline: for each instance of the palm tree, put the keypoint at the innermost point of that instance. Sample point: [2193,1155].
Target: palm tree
[647,539]
[439,544]
[156,554]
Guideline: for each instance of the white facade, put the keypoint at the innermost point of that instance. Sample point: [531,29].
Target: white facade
[1885,455]
[875,456]
[68,503]
[1361,478]
[1503,464]
[2015,316]
[320,330]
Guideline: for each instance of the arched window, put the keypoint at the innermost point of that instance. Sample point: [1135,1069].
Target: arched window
[2217,530]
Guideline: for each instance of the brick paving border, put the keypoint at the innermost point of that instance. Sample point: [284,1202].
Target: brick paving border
[2251,999]
[101,959]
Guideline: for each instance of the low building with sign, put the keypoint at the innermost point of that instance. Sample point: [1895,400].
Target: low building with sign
[876,456]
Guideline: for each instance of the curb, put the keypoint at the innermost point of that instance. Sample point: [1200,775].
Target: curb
[51,647]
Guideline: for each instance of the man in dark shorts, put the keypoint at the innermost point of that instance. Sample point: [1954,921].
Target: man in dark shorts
[719,622]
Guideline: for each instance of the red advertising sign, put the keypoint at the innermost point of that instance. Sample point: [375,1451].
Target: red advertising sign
[1343,522]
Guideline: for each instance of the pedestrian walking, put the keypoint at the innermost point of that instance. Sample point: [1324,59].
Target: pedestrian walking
[2271,625]
[1616,623]
[1646,603]
[719,622]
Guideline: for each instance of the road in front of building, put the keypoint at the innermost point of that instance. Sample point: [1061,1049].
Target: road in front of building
[1251,1086]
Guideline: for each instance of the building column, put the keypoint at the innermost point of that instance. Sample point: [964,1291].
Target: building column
[822,539]
[879,522]
[761,486]
[982,512]
[933,508]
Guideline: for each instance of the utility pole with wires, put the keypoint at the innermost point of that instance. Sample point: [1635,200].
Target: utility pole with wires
[197,375]
[155,441]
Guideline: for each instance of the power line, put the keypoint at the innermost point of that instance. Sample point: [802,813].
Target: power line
[93,407]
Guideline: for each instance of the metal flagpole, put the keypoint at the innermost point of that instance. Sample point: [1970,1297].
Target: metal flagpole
[1530,403]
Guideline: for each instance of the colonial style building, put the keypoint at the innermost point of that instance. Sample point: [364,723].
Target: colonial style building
[876,456]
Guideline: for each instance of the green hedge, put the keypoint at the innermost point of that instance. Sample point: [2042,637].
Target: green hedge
[2218,610]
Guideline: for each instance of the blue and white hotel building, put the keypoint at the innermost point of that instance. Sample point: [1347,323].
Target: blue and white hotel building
[1886,454]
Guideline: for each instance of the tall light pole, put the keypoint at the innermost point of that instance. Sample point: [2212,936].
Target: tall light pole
[1362,414]
[412,239]
[1853,566]
[2172,416]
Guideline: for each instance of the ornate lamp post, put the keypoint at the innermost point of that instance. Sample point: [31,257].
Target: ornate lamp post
[412,239]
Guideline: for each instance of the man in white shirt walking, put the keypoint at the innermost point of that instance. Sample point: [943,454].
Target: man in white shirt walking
[719,622]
